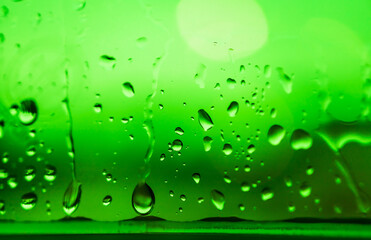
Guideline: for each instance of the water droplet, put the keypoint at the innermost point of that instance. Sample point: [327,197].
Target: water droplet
[245,187]
[200,200]
[288,181]
[183,198]
[162,157]
[141,42]
[205,120]
[231,83]
[285,80]
[171,193]
[291,208]
[251,149]
[31,151]
[227,149]
[196,177]
[28,112]
[71,198]
[241,207]
[50,173]
[273,113]
[128,89]
[12,182]
[108,62]
[217,198]
[300,139]
[267,194]
[227,179]
[30,174]
[305,190]
[177,145]
[28,201]
[207,143]
[179,131]
[3,173]
[267,71]
[275,134]
[310,171]
[232,109]
[143,199]
[107,200]
[98,107]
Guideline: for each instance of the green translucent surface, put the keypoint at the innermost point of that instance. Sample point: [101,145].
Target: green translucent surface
[185,110]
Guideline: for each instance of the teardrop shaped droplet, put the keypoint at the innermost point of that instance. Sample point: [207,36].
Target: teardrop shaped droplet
[196,177]
[143,199]
[205,120]
[28,112]
[128,89]
[71,199]
[217,199]
[232,109]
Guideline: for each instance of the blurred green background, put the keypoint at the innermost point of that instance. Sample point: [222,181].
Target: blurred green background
[185,110]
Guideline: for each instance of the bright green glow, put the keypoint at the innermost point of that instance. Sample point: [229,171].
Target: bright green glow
[222,29]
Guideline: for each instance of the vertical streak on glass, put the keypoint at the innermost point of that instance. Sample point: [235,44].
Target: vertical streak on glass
[148,110]
[72,195]
[362,200]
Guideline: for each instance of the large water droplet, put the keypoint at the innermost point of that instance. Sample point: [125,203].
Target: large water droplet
[267,194]
[207,143]
[28,112]
[285,80]
[232,109]
[128,89]
[227,149]
[177,145]
[71,199]
[28,201]
[300,139]
[143,199]
[217,198]
[275,134]
[205,120]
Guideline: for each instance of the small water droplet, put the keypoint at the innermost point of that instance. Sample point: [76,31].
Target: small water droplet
[275,134]
[205,120]
[305,190]
[251,149]
[98,107]
[233,109]
[300,139]
[207,143]
[245,187]
[28,201]
[108,62]
[183,198]
[231,83]
[50,173]
[196,177]
[141,42]
[107,200]
[143,199]
[217,198]
[267,194]
[28,112]
[179,131]
[128,89]
[30,174]
[227,149]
